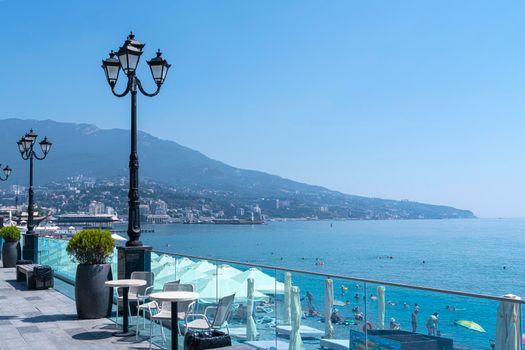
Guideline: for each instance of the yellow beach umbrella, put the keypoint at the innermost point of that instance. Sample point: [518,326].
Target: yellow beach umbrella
[470,325]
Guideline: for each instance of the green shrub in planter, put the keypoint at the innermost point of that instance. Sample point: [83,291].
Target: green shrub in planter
[11,236]
[10,233]
[92,248]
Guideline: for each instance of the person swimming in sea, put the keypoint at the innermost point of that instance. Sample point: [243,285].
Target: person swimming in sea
[344,289]
[373,297]
[336,317]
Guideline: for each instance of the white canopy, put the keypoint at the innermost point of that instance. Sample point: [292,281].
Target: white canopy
[207,289]
[296,342]
[191,275]
[263,283]
[381,307]
[164,259]
[203,266]
[182,264]
[225,271]
[508,324]
[165,274]
[251,327]
[328,306]
[117,237]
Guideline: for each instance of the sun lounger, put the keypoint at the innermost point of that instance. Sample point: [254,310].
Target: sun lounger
[335,344]
[267,344]
[240,333]
[305,331]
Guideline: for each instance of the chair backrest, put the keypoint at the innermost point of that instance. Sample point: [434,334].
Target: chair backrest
[185,287]
[183,306]
[149,277]
[177,287]
[169,287]
[223,310]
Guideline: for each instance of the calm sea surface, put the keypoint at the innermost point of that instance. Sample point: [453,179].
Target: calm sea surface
[478,256]
[467,255]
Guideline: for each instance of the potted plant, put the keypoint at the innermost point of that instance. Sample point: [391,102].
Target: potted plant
[11,236]
[92,248]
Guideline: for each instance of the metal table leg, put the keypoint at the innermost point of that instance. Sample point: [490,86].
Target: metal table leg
[125,316]
[174,326]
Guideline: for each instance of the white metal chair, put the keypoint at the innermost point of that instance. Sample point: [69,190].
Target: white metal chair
[137,294]
[148,307]
[201,322]
[163,312]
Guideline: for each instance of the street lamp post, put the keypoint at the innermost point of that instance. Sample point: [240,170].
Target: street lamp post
[7,171]
[26,147]
[128,59]
[134,256]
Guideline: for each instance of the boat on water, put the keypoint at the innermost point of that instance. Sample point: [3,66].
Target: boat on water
[237,222]
[85,219]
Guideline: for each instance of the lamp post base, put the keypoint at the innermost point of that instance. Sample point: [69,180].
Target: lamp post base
[30,249]
[133,259]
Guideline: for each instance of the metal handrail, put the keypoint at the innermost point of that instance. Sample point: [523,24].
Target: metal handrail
[358,279]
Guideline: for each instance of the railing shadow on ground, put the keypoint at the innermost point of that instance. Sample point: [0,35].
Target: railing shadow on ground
[50,318]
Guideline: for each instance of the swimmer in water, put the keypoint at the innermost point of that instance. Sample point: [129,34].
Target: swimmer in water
[343,289]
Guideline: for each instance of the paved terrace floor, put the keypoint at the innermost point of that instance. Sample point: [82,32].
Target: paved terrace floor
[47,319]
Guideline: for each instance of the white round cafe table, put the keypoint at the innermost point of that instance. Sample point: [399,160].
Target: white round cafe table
[125,284]
[174,298]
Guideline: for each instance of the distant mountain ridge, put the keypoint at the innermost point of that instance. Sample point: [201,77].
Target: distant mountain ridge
[103,153]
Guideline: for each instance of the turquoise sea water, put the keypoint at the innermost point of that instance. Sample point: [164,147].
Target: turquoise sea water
[477,256]
[467,255]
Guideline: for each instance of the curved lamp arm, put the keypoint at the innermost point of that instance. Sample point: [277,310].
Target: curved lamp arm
[39,158]
[26,155]
[144,92]
[128,88]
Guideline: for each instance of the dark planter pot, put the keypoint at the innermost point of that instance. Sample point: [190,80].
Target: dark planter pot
[93,299]
[9,253]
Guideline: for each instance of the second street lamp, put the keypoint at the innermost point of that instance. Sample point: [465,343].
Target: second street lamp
[27,151]
[7,171]
[127,59]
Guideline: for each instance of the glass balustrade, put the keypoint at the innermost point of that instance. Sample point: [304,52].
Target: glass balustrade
[272,308]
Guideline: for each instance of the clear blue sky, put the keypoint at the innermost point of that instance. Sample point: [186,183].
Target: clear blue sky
[419,100]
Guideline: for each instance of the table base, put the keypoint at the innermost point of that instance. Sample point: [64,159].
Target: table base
[124,334]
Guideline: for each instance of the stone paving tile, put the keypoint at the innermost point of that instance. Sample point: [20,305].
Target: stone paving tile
[46,319]
[28,329]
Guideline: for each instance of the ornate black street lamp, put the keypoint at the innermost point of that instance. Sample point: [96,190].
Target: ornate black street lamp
[26,148]
[7,171]
[127,59]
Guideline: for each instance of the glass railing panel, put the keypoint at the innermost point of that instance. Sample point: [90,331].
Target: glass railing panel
[343,313]
[52,252]
[252,293]
[163,266]
[449,321]
[300,308]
